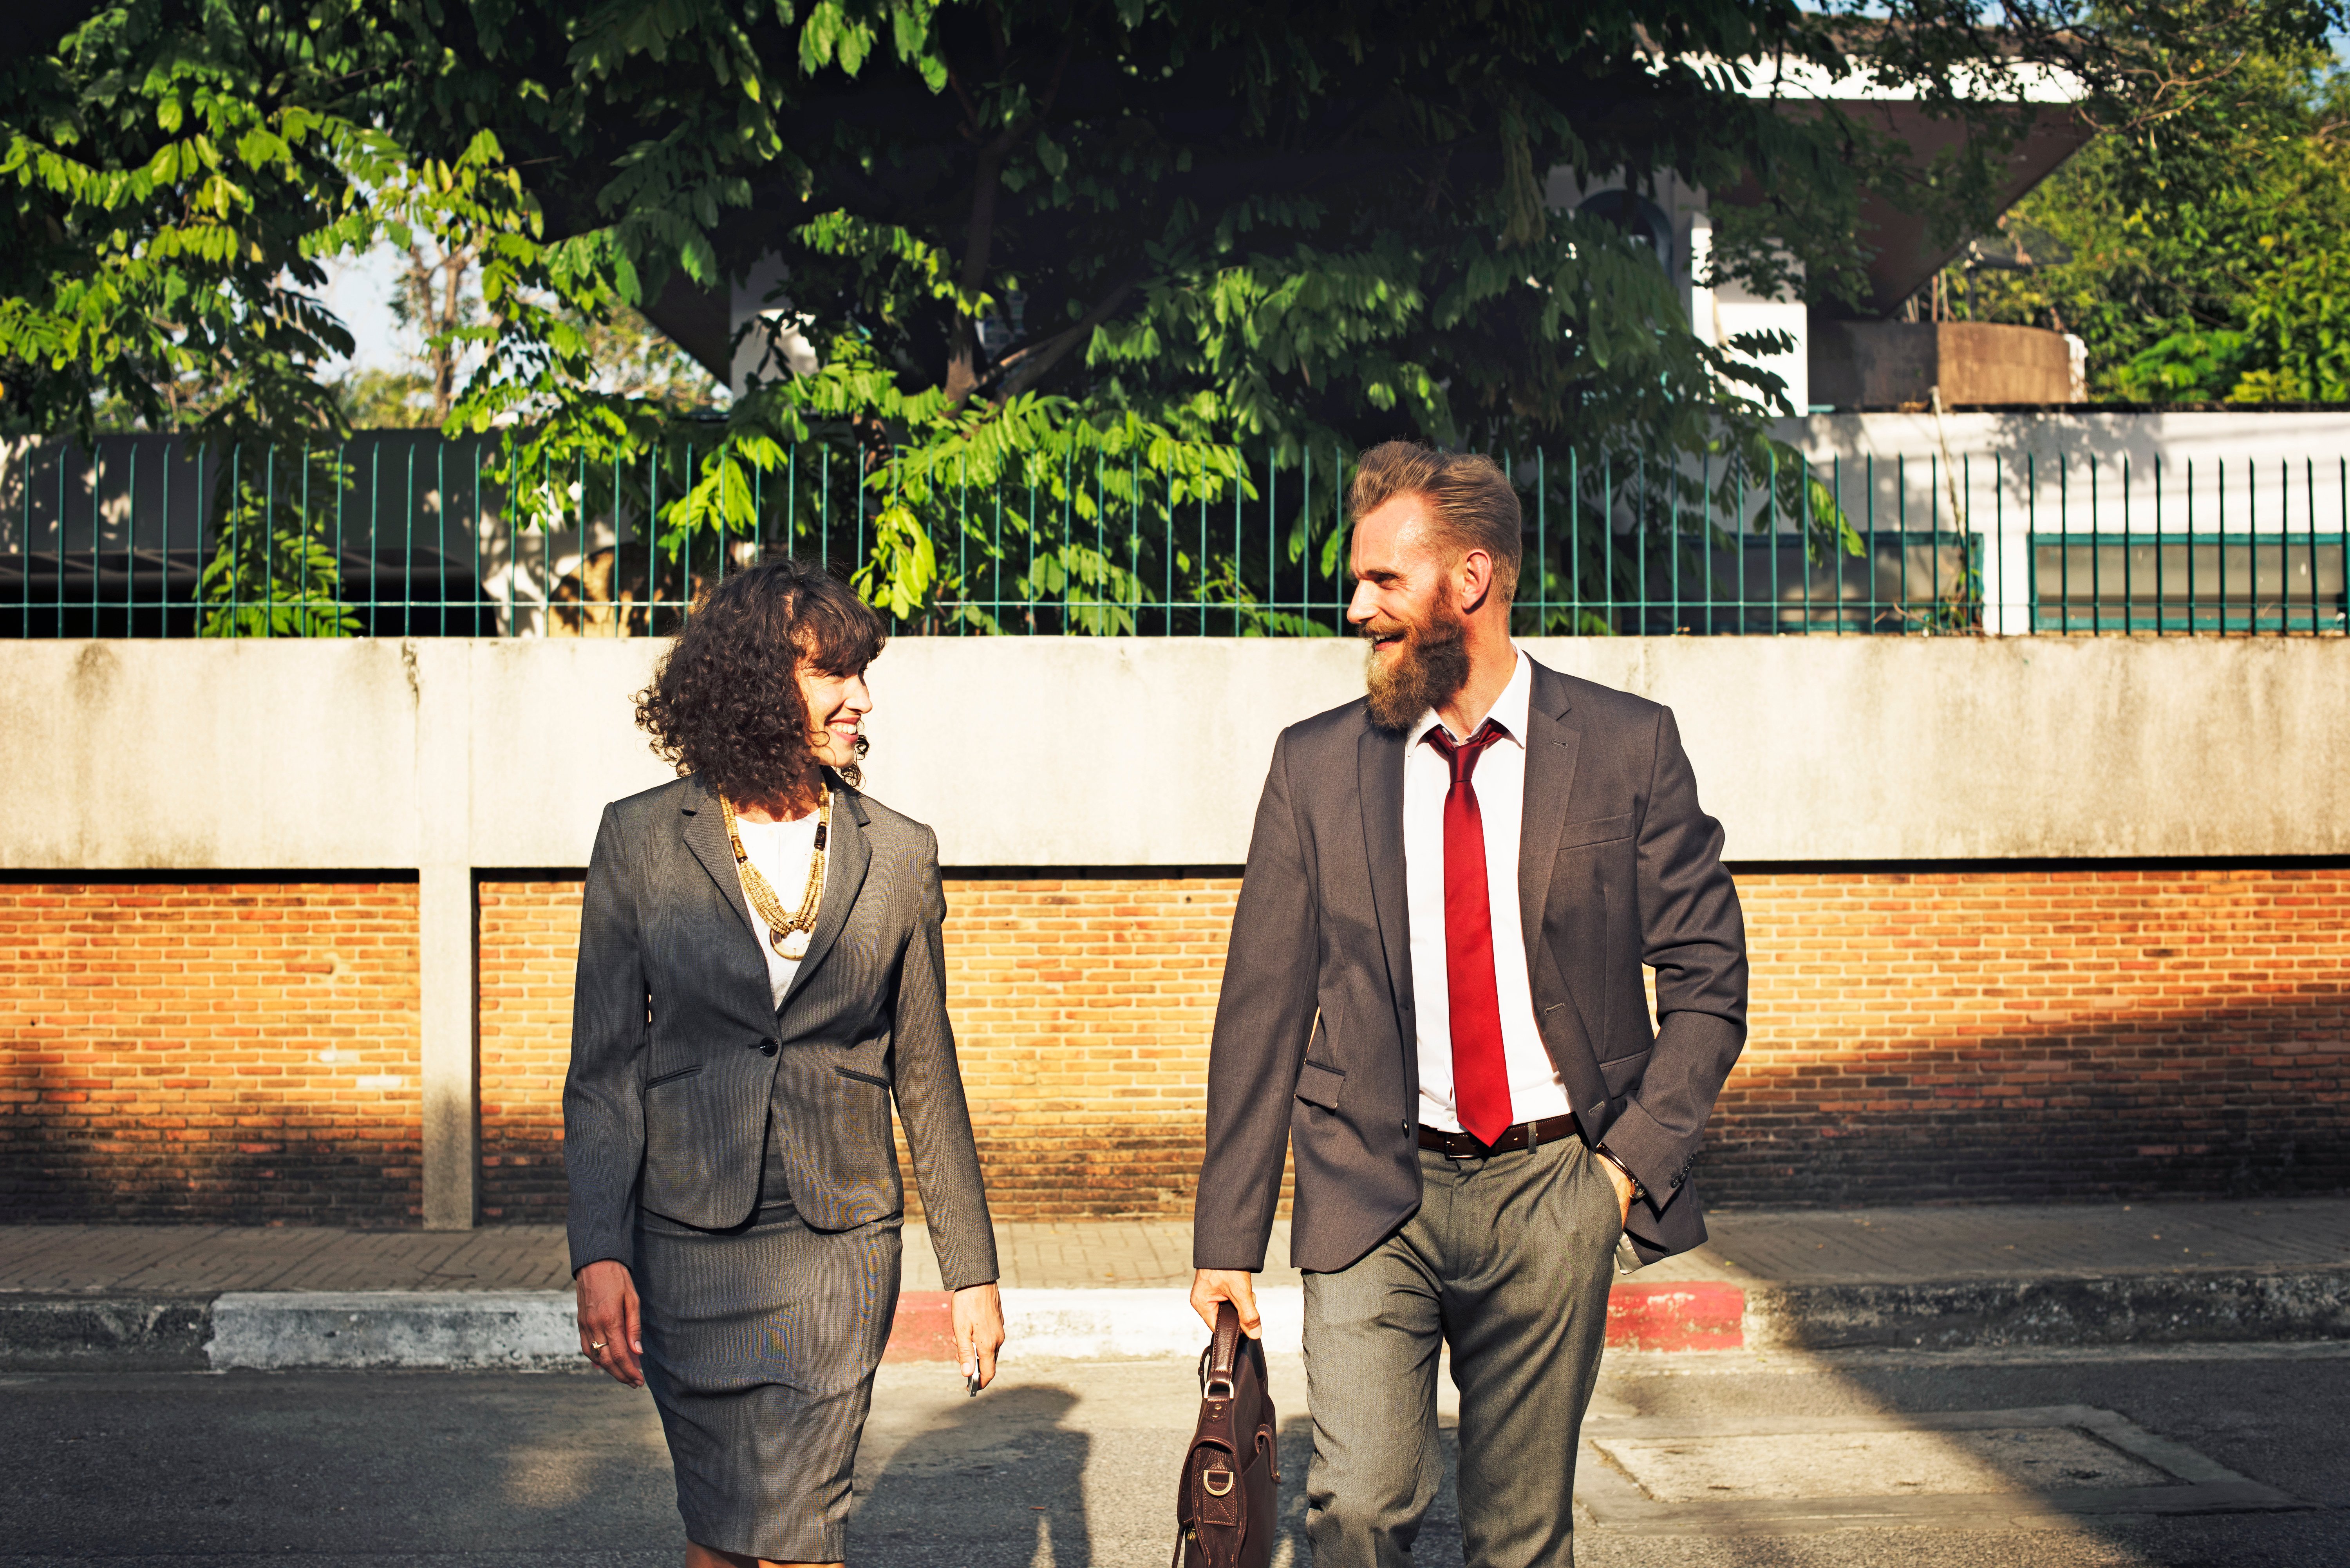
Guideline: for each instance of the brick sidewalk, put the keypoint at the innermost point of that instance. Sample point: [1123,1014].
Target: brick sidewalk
[2029,1242]
[1818,1247]
[205,1260]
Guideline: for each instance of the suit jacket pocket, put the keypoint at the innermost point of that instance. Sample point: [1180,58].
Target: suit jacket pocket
[1594,830]
[1623,1073]
[673,1077]
[1320,1085]
[861,1077]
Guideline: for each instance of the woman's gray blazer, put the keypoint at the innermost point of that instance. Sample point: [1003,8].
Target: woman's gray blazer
[678,1063]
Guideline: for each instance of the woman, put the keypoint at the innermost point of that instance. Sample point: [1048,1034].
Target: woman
[759,971]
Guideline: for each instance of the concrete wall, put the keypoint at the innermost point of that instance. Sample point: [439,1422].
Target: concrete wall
[1881,363]
[287,756]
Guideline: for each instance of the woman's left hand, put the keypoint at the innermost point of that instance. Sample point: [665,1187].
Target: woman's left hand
[978,1318]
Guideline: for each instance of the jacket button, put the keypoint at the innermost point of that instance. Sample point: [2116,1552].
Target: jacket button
[766,1047]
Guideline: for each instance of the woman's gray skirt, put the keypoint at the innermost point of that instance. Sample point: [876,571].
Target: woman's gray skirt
[760,1345]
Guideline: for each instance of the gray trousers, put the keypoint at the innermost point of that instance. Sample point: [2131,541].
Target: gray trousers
[1509,1260]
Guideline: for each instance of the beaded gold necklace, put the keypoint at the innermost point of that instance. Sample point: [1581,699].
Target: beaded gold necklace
[790,933]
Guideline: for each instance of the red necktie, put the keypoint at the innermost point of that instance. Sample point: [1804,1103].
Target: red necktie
[1480,1077]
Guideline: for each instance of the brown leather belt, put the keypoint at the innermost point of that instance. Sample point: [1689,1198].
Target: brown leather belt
[1524,1134]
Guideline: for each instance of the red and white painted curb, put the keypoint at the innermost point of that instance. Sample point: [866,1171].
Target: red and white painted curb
[1138,1324]
[1694,1315]
[533,1330]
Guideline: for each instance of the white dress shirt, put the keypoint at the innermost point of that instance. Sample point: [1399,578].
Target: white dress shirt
[780,851]
[1499,780]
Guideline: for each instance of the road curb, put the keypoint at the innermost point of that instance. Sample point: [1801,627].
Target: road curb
[532,1330]
[2184,1307]
[507,1331]
[104,1334]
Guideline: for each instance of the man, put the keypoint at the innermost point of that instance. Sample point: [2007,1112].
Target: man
[1434,987]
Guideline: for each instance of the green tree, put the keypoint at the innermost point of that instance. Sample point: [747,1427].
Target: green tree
[628,357]
[2201,247]
[1050,241]
[1059,242]
[173,173]
[385,397]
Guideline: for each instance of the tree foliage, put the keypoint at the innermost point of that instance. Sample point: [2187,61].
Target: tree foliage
[172,171]
[1041,239]
[630,356]
[2202,247]
[1050,241]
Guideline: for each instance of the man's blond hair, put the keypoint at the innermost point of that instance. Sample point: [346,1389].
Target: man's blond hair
[1468,495]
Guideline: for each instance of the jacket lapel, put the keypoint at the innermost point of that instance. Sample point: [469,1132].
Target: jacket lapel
[851,853]
[1552,744]
[1378,770]
[706,834]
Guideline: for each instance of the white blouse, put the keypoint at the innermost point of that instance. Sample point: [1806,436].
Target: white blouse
[780,851]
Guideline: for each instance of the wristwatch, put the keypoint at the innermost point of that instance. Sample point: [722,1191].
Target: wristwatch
[1606,1153]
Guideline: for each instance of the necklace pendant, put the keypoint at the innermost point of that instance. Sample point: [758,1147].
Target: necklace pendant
[792,944]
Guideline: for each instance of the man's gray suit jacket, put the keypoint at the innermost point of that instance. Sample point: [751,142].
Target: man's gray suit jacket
[1314,1039]
[679,1063]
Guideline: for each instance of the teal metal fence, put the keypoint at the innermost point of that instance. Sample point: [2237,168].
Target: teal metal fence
[393,533]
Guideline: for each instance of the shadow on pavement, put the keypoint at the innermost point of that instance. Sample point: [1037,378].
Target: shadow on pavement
[305,1468]
[995,1479]
[2086,1459]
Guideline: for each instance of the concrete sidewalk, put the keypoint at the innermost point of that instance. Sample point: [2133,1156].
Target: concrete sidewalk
[1936,1278]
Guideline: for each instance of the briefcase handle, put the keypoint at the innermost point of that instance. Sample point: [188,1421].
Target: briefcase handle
[1224,1352]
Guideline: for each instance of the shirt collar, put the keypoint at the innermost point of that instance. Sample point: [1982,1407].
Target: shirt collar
[1509,708]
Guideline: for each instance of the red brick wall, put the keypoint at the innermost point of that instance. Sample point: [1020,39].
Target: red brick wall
[529,947]
[1983,1034]
[233,1054]
[1081,1007]
[2022,1033]
[1082,1010]
[2007,1033]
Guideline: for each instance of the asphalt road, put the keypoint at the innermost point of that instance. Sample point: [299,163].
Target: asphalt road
[1070,1465]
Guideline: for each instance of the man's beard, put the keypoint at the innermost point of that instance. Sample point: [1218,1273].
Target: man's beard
[1426,670]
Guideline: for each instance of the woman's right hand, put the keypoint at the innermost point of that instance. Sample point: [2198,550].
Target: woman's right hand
[608,1332]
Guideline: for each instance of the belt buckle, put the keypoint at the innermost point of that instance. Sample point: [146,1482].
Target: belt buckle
[1475,1152]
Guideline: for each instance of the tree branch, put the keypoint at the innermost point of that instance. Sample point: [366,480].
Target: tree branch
[970,109]
[979,234]
[979,238]
[1025,368]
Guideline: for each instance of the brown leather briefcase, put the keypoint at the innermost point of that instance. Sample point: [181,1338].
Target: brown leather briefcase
[1227,1507]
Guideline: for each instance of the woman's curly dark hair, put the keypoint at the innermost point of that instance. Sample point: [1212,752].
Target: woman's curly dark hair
[725,702]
